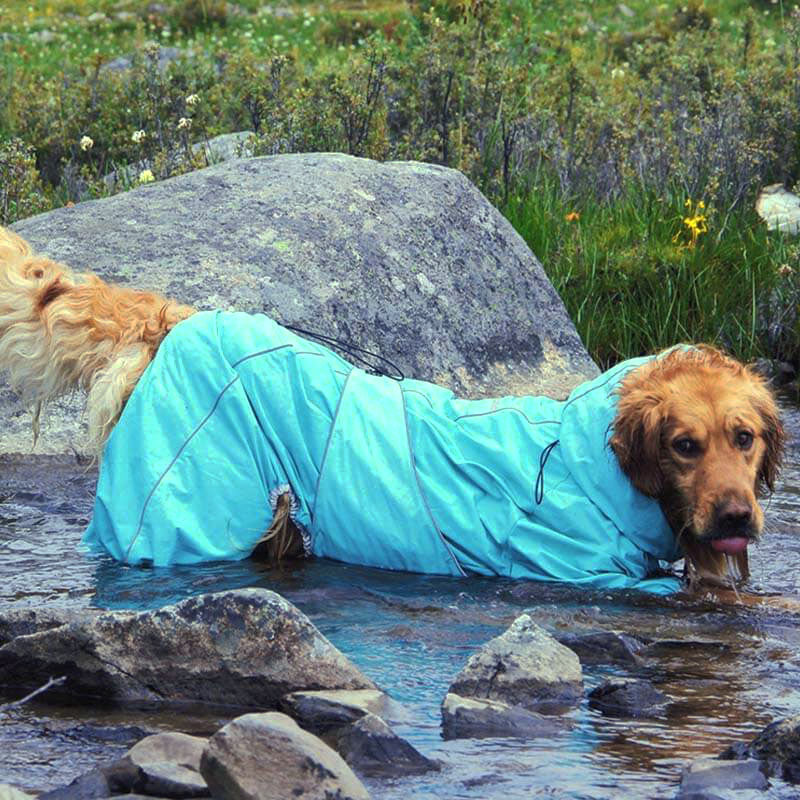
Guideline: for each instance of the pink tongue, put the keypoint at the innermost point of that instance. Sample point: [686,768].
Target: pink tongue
[731,545]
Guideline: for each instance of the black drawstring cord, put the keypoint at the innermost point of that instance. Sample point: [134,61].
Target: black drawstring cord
[543,456]
[373,368]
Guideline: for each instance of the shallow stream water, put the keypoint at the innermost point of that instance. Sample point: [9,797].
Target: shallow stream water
[729,671]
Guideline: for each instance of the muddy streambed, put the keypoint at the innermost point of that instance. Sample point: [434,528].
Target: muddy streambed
[728,671]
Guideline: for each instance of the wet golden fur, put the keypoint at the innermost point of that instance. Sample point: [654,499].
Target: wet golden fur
[700,432]
[61,331]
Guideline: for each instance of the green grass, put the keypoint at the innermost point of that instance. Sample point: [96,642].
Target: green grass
[632,282]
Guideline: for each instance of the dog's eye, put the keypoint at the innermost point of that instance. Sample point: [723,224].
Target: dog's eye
[744,439]
[685,446]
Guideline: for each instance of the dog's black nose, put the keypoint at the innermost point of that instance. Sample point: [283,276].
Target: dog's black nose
[733,516]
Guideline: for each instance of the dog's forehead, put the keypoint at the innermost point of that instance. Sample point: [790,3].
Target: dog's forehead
[726,403]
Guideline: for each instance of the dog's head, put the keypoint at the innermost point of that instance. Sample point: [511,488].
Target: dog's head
[701,433]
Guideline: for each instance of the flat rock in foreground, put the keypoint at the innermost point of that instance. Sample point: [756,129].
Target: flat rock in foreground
[407,260]
[244,648]
[269,757]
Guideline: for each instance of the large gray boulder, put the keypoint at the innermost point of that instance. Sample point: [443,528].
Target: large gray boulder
[245,648]
[405,259]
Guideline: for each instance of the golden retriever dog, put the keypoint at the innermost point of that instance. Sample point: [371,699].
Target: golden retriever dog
[694,429]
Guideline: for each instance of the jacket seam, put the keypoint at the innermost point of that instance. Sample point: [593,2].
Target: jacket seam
[324,461]
[421,491]
[172,463]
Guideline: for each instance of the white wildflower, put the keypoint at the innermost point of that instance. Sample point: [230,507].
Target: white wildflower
[86,143]
[184,123]
[138,136]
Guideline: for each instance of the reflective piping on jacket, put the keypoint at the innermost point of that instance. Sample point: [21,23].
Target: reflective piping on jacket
[260,353]
[313,509]
[421,491]
[510,408]
[174,459]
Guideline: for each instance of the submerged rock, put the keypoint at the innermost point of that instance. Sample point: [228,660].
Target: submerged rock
[604,647]
[525,666]
[628,697]
[468,718]
[708,775]
[269,757]
[407,260]
[777,747]
[245,648]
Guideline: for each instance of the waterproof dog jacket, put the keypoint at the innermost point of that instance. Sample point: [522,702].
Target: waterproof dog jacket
[235,410]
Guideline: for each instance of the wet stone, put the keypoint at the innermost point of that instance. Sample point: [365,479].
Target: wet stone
[371,747]
[525,666]
[777,747]
[628,697]
[322,711]
[269,757]
[245,648]
[470,718]
[604,647]
[713,775]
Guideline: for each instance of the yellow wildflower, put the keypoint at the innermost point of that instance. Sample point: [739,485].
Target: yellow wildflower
[146,176]
[696,224]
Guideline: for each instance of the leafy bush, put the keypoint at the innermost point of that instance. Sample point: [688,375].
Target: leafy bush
[21,191]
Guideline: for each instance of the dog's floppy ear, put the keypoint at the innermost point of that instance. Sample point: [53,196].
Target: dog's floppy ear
[773,434]
[636,438]
[50,292]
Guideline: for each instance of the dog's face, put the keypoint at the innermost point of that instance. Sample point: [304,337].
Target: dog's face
[701,433]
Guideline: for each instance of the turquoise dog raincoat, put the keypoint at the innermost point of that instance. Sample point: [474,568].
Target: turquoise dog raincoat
[235,410]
